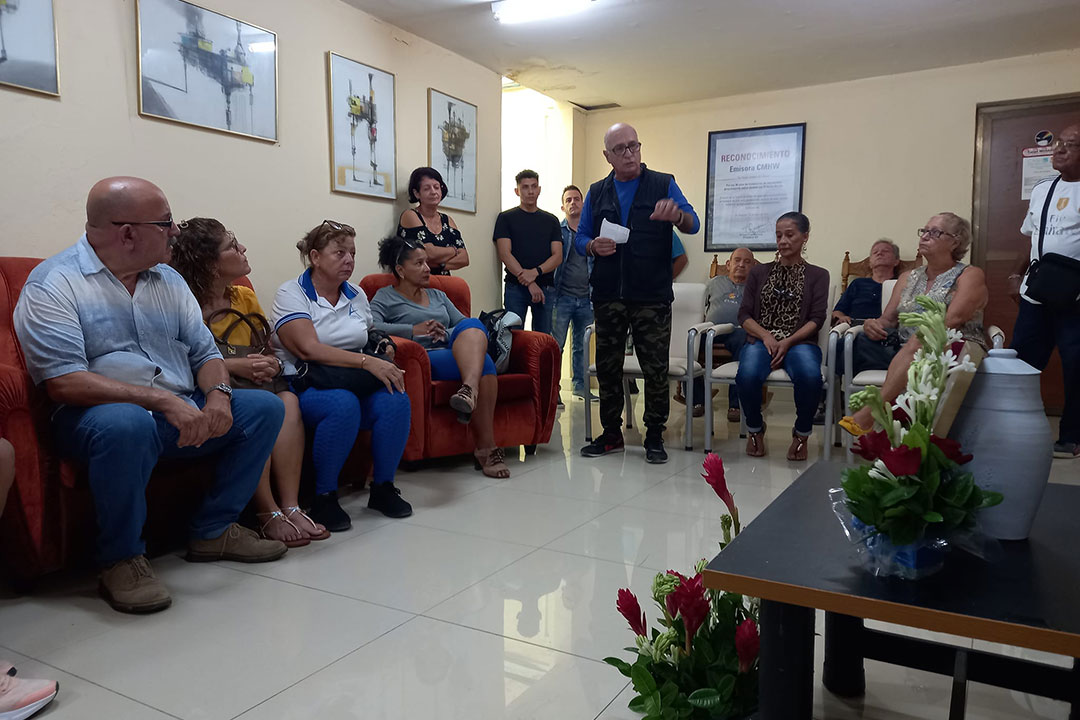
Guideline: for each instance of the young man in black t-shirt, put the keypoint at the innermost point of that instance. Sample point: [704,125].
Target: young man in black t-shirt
[529,243]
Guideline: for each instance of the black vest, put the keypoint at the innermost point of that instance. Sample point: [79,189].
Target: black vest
[640,270]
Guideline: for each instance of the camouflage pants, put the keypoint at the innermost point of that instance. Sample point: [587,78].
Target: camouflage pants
[650,327]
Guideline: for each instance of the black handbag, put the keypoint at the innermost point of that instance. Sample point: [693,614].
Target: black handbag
[1053,279]
[358,381]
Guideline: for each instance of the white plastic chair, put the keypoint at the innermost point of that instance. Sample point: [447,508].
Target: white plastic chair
[687,325]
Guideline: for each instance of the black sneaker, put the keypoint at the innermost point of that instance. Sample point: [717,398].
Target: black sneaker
[1066,449]
[608,442]
[387,499]
[633,387]
[654,450]
[325,510]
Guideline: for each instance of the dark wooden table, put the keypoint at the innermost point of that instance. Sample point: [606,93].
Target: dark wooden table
[796,558]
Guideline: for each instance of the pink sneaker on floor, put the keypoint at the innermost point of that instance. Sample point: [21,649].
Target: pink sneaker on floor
[6,668]
[20,699]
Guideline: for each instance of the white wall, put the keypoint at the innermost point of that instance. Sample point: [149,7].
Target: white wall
[882,154]
[52,151]
[538,133]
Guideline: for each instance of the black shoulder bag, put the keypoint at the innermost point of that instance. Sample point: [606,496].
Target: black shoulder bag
[359,382]
[1053,279]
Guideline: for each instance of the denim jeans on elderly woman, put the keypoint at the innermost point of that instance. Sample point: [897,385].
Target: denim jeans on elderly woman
[802,363]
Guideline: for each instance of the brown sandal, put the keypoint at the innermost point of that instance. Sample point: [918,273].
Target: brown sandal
[492,462]
[755,443]
[797,451]
[275,518]
[464,402]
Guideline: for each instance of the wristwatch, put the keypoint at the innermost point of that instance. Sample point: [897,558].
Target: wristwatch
[223,387]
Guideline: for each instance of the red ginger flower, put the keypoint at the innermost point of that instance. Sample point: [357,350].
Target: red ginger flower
[714,475]
[628,607]
[951,448]
[747,642]
[691,604]
[902,460]
[872,445]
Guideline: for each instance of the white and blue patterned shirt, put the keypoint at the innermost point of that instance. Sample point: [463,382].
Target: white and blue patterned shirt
[74,315]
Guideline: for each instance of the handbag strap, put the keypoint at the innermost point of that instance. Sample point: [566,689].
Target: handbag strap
[259,335]
[1046,210]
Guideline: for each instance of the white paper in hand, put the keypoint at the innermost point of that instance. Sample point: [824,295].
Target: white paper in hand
[618,233]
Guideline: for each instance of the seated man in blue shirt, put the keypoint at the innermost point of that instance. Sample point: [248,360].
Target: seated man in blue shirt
[862,299]
[118,341]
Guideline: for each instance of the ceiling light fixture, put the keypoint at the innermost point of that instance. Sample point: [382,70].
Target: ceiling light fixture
[522,11]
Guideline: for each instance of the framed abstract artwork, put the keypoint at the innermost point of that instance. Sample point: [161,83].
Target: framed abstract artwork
[202,68]
[28,46]
[363,151]
[452,147]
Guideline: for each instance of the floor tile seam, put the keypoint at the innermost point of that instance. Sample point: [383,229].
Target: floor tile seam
[532,551]
[612,701]
[513,639]
[667,512]
[92,682]
[411,521]
[326,666]
[568,496]
[592,557]
[546,545]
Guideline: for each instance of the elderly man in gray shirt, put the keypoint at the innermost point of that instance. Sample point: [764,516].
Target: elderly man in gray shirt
[722,299]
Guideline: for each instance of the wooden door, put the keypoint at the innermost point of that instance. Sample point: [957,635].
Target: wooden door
[1004,131]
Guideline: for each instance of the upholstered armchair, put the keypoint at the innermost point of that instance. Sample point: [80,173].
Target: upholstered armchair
[525,412]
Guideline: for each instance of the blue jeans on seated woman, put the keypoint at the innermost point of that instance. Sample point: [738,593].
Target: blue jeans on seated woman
[802,363]
[443,364]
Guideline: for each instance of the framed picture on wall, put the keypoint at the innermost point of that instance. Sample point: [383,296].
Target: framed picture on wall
[452,147]
[28,52]
[363,150]
[755,175]
[202,68]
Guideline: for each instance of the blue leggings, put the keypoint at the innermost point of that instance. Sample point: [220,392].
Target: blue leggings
[443,364]
[338,415]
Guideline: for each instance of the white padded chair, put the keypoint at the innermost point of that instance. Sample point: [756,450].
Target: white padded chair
[725,375]
[687,326]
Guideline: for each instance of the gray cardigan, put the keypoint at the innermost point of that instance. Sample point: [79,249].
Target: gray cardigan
[395,314]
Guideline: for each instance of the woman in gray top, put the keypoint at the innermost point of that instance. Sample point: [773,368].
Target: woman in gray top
[456,345]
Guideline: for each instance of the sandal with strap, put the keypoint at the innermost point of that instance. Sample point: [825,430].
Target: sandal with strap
[848,424]
[492,462]
[755,443]
[302,523]
[276,518]
[464,402]
[797,451]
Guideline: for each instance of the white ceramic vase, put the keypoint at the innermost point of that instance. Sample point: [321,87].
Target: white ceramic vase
[1002,423]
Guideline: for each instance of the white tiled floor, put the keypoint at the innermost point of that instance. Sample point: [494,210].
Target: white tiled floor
[495,600]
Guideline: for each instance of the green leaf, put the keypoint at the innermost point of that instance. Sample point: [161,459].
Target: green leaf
[669,714]
[706,697]
[932,517]
[991,498]
[668,693]
[621,665]
[637,704]
[727,686]
[897,512]
[643,680]
[898,494]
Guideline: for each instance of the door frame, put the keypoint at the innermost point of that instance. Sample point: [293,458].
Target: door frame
[984,114]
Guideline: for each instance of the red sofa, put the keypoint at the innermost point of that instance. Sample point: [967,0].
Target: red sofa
[525,412]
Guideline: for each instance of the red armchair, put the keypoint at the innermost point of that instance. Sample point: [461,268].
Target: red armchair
[525,412]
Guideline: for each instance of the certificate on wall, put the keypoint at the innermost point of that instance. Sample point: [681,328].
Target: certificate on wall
[755,176]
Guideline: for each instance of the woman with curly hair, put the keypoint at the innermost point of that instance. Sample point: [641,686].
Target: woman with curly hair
[211,259]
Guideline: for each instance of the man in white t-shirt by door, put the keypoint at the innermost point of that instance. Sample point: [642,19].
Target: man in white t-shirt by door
[1039,329]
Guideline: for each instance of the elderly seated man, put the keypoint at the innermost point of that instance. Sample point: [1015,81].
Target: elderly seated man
[119,342]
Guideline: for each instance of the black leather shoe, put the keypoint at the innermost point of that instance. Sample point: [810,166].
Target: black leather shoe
[654,450]
[386,498]
[326,511]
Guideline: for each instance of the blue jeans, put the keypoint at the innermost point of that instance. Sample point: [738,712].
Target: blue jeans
[516,299]
[443,363]
[1036,333]
[733,342]
[802,363]
[577,311]
[121,443]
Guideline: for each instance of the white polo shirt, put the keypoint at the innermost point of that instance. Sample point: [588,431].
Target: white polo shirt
[1062,222]
[343,325]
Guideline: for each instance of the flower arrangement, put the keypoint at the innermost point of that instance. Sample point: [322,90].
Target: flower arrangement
[701,662]
[914,487]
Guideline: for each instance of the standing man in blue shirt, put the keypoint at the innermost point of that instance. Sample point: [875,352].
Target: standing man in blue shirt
[631,284]
[573,306]
[118,341]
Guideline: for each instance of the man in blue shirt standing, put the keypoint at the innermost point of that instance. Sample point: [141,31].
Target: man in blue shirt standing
[118,341]
[573,307]
[631,284]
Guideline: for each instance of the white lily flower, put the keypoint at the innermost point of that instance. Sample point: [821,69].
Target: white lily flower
[954,335]
[881,472]
[964,365]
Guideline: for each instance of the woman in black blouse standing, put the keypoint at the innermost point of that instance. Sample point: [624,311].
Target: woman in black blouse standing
[435,230]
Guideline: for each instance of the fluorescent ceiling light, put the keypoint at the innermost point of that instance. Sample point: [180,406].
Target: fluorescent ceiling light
[522,11]
[266,46]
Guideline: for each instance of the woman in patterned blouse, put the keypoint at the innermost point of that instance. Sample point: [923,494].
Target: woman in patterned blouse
[784,305]
[436,231]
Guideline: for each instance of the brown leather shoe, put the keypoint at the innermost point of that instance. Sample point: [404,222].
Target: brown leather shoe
[130,586]
[733,414]
[755,443]
[236,543]
[797,451]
